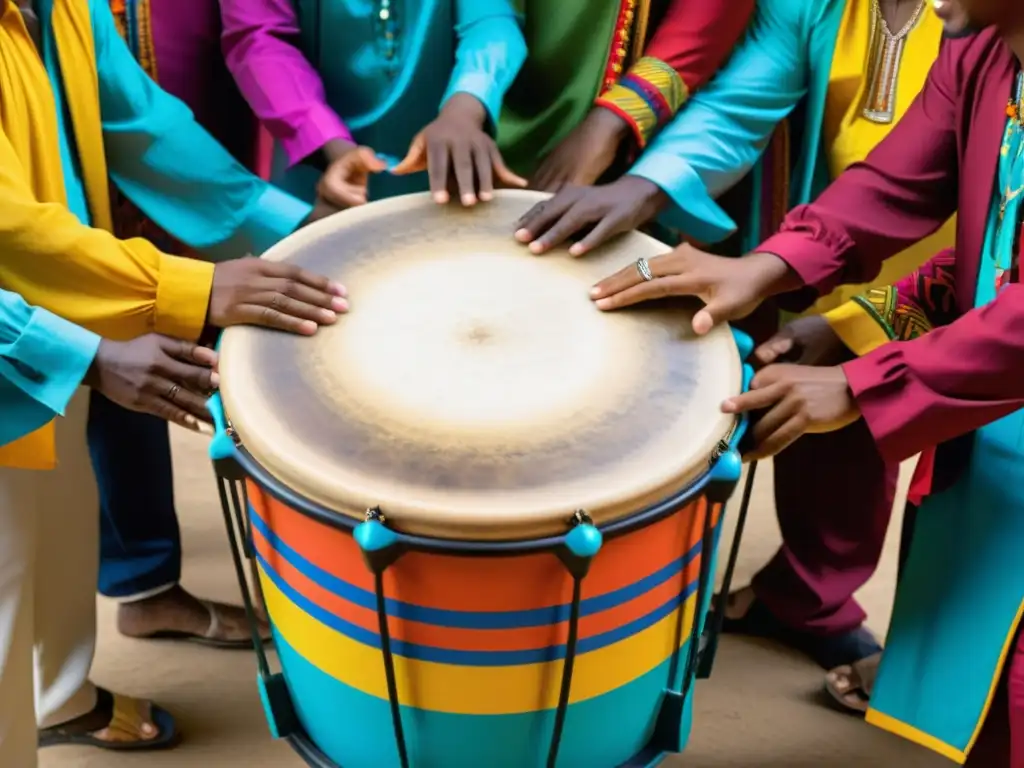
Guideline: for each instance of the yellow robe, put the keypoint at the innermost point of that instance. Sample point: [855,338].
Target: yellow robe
[118,288]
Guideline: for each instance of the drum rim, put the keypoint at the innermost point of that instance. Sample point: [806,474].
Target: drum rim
[321,513]
[432,523]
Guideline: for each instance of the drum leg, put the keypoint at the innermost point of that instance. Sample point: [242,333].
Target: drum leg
[277,703]
[381,548]
[710,649]
[581,544]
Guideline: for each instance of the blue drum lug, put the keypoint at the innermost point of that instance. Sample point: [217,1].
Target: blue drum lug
[277,705]
[671,729]
[380,545]
[748,376]
[582,544]
[725,474]
[744,343]
[222,446]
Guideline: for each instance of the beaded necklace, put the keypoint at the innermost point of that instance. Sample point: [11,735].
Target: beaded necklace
[885,55]
[1011,185]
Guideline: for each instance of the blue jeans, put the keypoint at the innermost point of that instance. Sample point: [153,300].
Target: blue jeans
[140,543]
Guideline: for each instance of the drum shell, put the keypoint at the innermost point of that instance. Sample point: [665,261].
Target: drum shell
[478,642]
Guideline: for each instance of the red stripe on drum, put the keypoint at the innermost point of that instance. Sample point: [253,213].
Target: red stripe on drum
[484,584]
[470,639]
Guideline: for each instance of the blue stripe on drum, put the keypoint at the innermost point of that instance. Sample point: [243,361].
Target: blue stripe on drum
[473,658]
[441,617]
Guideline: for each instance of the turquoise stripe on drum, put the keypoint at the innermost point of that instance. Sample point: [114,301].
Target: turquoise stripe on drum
[354,729]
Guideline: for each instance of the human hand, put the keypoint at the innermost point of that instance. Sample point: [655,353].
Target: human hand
[585,154]
[618,207]
[166,377]
[730,288]
[344,183]
[798,399]
[804,341]
[456,144]
[275,295]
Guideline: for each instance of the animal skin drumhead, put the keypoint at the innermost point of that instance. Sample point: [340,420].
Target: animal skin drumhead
[473,391]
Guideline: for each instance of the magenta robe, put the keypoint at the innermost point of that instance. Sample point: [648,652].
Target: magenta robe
[941,158]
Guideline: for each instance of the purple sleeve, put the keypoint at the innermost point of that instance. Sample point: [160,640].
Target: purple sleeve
[284,90]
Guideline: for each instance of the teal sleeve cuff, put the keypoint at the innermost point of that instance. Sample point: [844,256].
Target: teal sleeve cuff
[270,218]
[49,359]
[693,211]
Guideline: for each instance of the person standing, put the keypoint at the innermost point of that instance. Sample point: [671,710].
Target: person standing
[75,112]
[362,97]
[591,96]
[177,43]
[813,88]
[947,374]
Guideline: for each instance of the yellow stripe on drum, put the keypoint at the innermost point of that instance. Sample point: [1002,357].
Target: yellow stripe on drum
[473,690]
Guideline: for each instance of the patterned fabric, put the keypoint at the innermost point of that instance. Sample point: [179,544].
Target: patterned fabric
[912,307]
[132,18]
[647,97]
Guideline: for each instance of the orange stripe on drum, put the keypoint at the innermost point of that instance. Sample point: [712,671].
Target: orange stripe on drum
[464,638]
[490,584]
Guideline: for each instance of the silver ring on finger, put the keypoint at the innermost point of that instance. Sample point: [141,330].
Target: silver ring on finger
[172,392]
[644,269]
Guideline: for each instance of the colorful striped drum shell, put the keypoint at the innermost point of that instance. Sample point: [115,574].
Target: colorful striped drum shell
[478,643]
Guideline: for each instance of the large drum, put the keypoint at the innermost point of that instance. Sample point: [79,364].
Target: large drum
[483,513]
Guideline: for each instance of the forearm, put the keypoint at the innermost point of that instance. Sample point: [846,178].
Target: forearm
[720,134]
[43,360]
[904,191]
[687,49]
[491,50]
[946,383]
[261,47]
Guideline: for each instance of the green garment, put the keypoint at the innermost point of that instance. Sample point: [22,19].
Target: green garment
[568,43]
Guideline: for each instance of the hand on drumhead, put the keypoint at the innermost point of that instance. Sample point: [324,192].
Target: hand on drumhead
[794,400]
[275,295]
[805,341]
[730,288]
[456,145]
[166,377]
[605,211]
[344,183]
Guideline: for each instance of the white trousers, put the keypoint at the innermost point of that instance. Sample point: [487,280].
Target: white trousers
[49,558]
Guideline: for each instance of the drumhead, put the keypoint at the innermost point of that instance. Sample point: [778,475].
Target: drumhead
[473,391]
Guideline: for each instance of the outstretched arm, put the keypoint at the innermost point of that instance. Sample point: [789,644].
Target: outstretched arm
[169,166]
[688,47]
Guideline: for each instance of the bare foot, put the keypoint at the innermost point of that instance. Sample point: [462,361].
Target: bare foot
[178,615]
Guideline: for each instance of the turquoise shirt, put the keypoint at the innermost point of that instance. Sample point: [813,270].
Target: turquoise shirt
[171,168]
[718,137]
[386,93]
[43,359]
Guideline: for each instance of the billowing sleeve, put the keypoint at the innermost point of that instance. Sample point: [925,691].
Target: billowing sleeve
[953,380]
[920,302]
[117,288]
[173,170]
[689,45]
[490,52]
[260,39]
[904,191]
[719,135]
[43,359]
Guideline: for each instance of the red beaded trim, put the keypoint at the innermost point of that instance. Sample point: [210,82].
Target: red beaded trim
[619,48]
